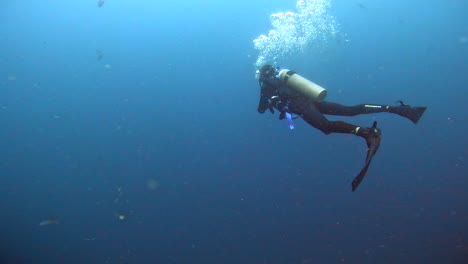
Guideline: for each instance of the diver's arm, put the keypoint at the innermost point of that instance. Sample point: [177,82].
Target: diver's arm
[268,95]
[265,99]
[263,104]
[267,103]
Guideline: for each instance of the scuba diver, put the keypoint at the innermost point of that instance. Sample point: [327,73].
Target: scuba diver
[290,93]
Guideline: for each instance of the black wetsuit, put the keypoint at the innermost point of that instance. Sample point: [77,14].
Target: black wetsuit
[274,94]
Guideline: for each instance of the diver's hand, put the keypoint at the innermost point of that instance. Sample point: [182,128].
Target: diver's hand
[274,100]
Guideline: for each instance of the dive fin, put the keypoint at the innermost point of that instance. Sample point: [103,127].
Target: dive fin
[412,113]
[401,103]
[373,144]
[416,113]
[359,177]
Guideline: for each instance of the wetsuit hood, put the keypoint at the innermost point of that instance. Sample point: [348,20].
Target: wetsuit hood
[267,71]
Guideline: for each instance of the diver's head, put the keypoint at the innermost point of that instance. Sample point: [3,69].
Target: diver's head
[266,72]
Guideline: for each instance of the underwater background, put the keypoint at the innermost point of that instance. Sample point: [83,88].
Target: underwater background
[130,134]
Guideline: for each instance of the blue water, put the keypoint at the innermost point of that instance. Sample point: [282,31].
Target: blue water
[173,101]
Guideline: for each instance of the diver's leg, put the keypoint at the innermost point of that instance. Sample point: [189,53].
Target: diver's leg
[372,135]
[329,108]
[412,113]
[316,119]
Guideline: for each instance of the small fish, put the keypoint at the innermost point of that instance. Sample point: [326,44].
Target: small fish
[361,5]
[52,221]
[101,3]
[99,55]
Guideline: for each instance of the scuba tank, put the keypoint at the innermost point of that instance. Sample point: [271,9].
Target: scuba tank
[301,85]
